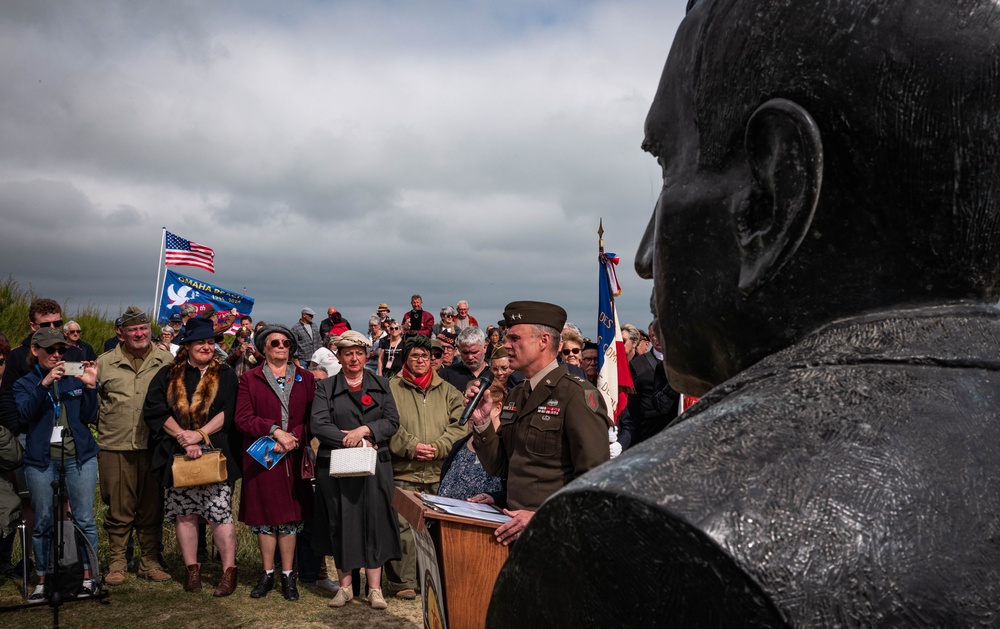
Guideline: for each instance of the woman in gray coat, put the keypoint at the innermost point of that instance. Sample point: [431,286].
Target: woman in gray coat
[354,518]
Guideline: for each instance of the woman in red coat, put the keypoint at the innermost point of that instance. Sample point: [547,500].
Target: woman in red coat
[275,400]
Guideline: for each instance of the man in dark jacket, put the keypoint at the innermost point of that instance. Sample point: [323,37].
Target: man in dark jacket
[654,404]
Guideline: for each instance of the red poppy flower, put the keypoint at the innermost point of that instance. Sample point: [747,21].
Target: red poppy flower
[367,400]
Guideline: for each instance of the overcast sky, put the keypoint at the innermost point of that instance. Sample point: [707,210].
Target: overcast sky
[332,153]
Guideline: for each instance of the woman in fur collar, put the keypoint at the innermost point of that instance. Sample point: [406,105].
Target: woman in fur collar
[189,402]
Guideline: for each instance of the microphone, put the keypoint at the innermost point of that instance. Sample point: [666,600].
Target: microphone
[485,380]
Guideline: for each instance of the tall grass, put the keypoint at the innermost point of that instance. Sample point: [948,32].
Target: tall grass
[96,325]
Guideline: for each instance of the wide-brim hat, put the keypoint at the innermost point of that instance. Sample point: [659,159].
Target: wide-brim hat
[198,330]
[260,338]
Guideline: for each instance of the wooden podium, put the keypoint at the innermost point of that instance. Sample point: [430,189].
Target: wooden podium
[469,558]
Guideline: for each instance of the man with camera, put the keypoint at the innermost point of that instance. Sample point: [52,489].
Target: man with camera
[417,321]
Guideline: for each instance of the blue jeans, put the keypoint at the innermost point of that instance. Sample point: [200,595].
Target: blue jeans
[81,482]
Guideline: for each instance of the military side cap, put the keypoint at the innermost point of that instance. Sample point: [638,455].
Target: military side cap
[133,316]
[48,337]
[535,313]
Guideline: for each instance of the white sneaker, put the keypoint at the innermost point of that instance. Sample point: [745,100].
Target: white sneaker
[38,596]
[89,588]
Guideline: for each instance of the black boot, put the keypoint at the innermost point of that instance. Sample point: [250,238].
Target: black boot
[288,586]
[263,586]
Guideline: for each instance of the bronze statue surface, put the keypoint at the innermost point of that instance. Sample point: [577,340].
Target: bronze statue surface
[825,255]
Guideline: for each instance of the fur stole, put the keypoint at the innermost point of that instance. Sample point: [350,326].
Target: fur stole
[193,414]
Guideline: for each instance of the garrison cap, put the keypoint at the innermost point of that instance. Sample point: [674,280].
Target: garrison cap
[534,312]
[133,316]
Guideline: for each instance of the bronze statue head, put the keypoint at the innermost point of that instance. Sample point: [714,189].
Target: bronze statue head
[805,182]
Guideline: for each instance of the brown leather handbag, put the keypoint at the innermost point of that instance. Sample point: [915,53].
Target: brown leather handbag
[209,468]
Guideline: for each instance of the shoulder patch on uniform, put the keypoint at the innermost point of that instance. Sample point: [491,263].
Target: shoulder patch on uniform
[592,399]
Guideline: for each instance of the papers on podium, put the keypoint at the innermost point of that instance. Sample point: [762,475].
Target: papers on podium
[471,510]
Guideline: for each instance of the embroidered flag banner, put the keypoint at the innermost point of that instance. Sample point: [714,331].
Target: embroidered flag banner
[181,252]
[614,379]
[179,290]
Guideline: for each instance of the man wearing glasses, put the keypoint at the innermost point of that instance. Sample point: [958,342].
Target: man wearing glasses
[464,319]
[73,331]
[42,313]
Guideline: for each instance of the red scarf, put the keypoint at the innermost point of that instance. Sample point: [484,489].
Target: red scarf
[424,382]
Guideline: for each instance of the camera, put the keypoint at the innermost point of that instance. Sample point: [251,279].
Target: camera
[416,320]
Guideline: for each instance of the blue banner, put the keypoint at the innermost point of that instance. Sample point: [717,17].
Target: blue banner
[179,290]
[608,288]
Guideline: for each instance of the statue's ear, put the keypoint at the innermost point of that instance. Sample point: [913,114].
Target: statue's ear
[785,153]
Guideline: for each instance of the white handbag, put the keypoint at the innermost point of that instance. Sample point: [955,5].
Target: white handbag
[346,462]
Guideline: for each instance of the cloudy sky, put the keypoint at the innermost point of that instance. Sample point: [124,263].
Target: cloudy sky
[332,153]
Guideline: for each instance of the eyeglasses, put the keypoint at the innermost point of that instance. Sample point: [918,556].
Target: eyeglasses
[437,353]
[589,359]
[420,358]
[3,359]
[280,343]
[58,323]
[567,352]
[58,349]
[73,331]
[394,327]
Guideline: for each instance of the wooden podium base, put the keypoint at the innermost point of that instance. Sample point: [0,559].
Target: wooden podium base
[469,558]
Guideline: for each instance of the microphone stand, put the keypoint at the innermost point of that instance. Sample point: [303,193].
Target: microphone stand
[58,548]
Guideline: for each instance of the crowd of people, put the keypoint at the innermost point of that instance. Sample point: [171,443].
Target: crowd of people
[123,420]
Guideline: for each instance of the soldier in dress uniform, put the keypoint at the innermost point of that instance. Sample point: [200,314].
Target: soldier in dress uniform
[553,426]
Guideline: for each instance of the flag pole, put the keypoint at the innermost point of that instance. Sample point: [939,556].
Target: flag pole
[158,288]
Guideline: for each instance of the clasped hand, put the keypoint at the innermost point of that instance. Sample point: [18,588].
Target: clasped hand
[284,441]
[188,438]
[356,438]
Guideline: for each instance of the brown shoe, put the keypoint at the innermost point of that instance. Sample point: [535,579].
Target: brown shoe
[115,577]
[156,575]
[192,582]
[407,594]
[228,583]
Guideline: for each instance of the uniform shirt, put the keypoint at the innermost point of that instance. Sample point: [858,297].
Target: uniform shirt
[547,437]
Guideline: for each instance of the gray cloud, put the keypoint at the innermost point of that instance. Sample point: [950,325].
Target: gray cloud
[344,152]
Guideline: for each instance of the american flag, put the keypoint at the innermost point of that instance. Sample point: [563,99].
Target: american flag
[181,252]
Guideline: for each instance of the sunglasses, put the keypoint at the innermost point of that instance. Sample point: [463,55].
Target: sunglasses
[280,343]
[395,327]
[437,353]
[3,359]
[58,349]
[73,331]
[567,352]
[58,323]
